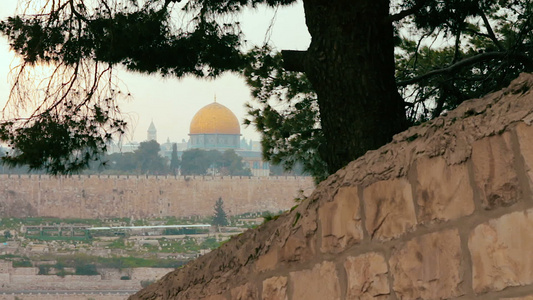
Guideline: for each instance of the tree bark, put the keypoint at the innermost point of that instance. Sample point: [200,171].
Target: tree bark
[350,63]
[294,60]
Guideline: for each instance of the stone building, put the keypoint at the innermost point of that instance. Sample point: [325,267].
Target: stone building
[215,127]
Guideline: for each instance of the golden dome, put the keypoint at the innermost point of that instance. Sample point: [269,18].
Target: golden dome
[215,118]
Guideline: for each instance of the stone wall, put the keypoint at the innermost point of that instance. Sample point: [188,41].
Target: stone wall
[15,280]
[92,197]
[69,296]
[445,211]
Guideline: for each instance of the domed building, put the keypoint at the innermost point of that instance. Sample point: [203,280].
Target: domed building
[215,127]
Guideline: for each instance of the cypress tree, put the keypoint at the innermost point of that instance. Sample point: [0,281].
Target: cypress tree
[220,218]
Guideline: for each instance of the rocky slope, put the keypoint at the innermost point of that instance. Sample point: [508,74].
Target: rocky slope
[442,212]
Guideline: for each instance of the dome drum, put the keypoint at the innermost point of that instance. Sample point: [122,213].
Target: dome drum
[215,141]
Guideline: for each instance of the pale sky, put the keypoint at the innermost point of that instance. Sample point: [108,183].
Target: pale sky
[171,103]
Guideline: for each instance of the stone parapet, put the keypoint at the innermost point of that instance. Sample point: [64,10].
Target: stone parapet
[445,211]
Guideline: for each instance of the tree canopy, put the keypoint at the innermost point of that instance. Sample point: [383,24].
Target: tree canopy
[372,69]
[445,52]
[203,162]
[174,160]
[145,160]
[148,159]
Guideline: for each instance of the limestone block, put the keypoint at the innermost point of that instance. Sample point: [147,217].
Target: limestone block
[494,173]
[389,208]
[319,283]
[367,277]
[215,297]
[267,261]
[275,288]
[298,247]
[525,139]
[244,292]
[340,221]
[428,267]
[501,251]
[443,192]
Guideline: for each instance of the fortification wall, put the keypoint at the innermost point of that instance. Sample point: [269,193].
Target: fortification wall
[13,280]
[69,296]
[445,211]
[144,196]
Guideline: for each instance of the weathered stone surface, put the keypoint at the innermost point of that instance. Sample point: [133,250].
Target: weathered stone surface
[525,139]
[267,261]
[215,297]
[389,208]
[450,136]
[298,247]
[428,267]
[494,174]
[244,292]
[275,288]
[319,283]
[502,252]
[306,218]
[519,298]
[367,277]
[443,192]
[340,221]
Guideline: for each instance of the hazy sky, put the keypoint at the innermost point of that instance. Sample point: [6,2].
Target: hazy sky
[171,103]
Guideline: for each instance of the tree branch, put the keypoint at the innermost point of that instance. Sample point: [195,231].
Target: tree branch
[467,62]
[475,32]
[457,52]
[75,12]
[490,31]
[404,13]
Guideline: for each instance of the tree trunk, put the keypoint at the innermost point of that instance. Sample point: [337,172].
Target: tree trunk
[350,63]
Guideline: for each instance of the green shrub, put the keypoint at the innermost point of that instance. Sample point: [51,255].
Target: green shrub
[86,269]
[44,270]
[22,264]
[145,283]
[210,243]
[63,273]
[117,244]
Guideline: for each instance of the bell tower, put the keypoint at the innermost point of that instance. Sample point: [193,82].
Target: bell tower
[152,132]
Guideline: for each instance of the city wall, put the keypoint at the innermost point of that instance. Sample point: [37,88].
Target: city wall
[14,280]
[445,211]
[70,296]
[92,197]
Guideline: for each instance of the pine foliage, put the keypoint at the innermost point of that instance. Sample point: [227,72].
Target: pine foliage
[445,52]
[220,217]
